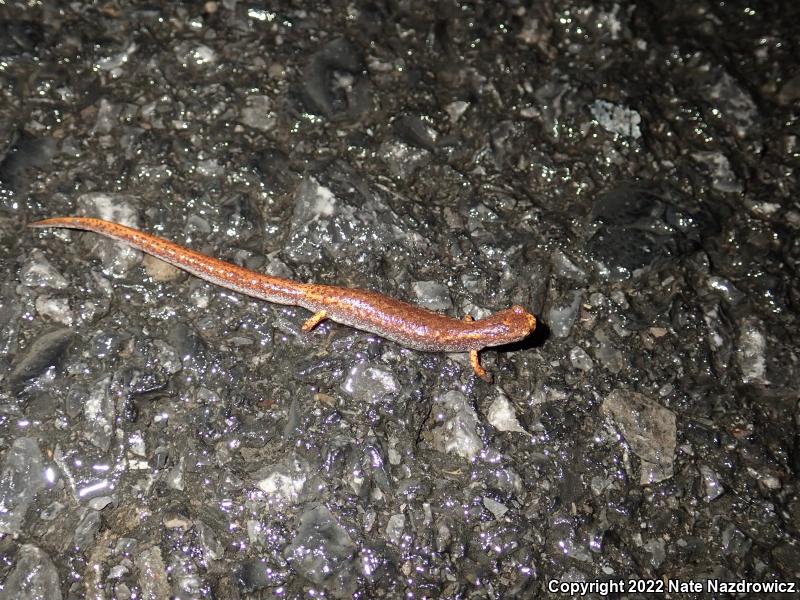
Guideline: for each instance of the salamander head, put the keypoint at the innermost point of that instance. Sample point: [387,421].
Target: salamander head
[507,326]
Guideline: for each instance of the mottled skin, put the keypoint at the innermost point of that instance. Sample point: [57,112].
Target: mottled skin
[409,325]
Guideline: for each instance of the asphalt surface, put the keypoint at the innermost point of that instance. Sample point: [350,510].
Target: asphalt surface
[627,172]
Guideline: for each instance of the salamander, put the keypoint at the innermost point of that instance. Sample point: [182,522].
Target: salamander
[412,326]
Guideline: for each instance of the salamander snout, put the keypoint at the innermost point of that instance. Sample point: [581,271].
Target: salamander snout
[507,326]
[520,320]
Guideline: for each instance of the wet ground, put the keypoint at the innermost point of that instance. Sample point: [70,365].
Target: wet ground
[625,171]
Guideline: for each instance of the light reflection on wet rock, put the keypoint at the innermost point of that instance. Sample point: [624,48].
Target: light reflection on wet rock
[502,416]
[338,214]
[648,428]
[284,481]
[457,426]
[21,478]
[370,383]
[751,352]
[34,577]
[40,272]
[153,578]
[323,552]
[99,413]
[562,314]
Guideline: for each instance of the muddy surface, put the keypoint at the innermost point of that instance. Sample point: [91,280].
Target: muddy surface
[627,172]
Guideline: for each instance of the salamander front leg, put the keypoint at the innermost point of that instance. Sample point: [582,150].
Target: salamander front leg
[314,320]
[475,361]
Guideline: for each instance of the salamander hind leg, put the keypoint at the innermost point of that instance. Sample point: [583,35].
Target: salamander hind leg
[314,320]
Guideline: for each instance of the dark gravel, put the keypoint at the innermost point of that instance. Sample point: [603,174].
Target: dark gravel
[626,171]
